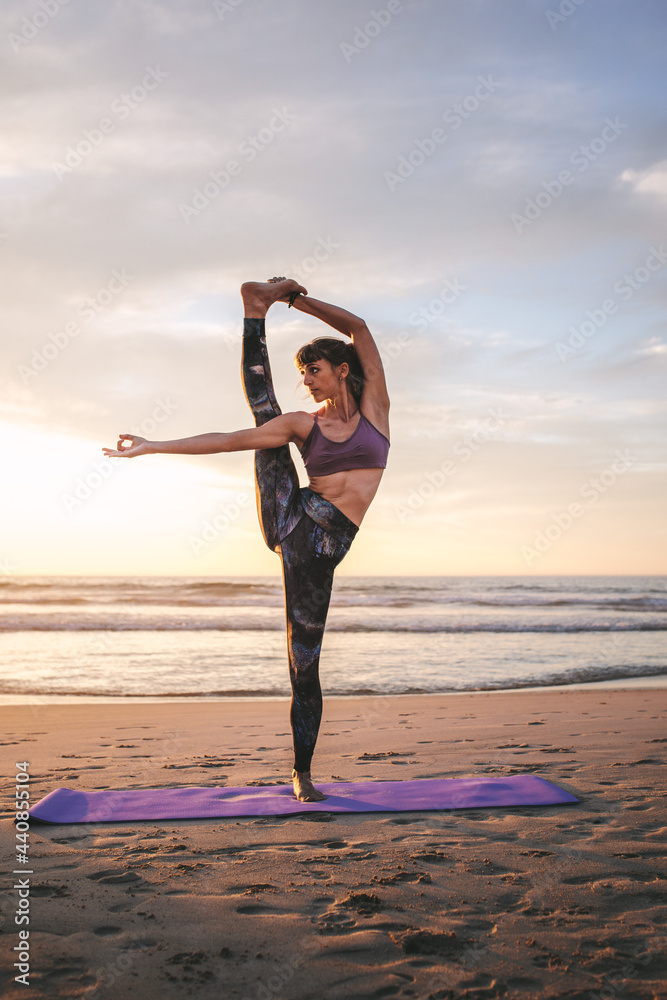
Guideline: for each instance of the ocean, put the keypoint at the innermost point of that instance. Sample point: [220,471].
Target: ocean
[187,637]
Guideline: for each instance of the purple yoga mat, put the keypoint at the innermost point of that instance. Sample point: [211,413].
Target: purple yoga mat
[65,805]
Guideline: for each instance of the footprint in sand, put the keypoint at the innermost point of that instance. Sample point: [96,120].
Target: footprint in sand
[250,889]
[112,876]
[431,857]
[189,963]
[334,923]
[258,909]
[402,877]
[445,944]
[363,903]
[49,890]
[65,968]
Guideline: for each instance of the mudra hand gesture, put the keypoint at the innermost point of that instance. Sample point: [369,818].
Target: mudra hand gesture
[137,446]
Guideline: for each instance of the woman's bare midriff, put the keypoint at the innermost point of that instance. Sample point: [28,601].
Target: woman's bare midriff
[351,491]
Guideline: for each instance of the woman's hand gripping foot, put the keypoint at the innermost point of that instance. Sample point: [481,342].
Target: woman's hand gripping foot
[304,789]
[300,288]
[291,297]
[259,296]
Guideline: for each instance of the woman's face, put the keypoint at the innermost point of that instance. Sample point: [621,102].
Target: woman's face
[321,379]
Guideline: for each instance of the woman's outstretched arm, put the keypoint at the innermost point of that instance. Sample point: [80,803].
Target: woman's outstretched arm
[274,433]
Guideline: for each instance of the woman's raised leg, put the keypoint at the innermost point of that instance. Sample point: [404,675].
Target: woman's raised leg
[276,478]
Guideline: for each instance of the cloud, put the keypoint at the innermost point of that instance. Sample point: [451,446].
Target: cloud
[653,180]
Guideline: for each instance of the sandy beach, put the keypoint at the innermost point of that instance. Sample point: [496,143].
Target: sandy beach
[527,902]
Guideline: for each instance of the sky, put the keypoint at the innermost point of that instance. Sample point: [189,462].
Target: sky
[484,183]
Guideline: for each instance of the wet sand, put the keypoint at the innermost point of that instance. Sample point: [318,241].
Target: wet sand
[527,902]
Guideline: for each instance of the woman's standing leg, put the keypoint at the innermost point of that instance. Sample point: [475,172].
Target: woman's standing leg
[308,580]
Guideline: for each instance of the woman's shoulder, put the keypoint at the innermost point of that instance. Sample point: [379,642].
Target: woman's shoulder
[301,418]
[302,424]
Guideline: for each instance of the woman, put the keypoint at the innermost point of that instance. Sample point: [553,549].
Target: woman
[344,446]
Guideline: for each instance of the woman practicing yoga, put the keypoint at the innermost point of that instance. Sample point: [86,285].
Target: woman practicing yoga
[344,447]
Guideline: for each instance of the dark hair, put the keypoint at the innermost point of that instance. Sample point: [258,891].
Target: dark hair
[334,351]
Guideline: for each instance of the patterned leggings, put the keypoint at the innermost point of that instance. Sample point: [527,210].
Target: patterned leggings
[310,535]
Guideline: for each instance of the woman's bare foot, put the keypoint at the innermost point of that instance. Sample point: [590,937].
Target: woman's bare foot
[258,296]
[304,789]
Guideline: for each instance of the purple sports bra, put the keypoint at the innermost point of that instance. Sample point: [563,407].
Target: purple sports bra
[367,448]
